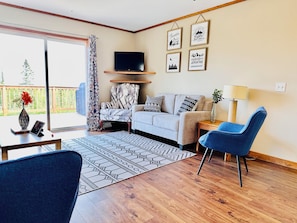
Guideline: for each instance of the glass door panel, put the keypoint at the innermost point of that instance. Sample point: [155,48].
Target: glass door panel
[21,69]
[67,78]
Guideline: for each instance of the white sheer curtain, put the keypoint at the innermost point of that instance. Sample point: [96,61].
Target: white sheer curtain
[93,87]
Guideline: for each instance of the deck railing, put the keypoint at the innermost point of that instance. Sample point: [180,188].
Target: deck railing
[62,99]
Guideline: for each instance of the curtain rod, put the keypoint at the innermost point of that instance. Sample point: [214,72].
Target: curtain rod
[49,32]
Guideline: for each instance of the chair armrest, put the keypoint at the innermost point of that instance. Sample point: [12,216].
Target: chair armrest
[230,127]
[187,132]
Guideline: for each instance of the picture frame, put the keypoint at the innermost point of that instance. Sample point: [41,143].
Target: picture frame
[174,39]
[173,62]
[37,128]
[200,33]
[197,59]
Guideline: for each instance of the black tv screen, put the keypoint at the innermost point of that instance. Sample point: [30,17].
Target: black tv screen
[128,61]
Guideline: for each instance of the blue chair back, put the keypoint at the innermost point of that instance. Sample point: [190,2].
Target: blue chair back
[251,129]
[39,188]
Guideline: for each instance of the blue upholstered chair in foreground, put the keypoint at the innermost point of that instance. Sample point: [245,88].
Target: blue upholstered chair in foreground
[39,188]
[233,138]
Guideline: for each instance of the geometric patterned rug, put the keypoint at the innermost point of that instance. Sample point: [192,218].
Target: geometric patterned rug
[116,156]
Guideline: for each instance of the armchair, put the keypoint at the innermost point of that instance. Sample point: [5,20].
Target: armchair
[119,109]
[40,188]
[233,138]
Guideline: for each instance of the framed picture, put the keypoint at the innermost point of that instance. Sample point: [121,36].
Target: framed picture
[199,33]
[37,128]
[197,59]
[173,62]
[174,39]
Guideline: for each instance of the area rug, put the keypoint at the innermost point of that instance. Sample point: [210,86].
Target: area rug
[116,156]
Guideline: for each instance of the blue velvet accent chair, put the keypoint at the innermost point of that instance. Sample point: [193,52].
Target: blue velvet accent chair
[39,188]
[233,138]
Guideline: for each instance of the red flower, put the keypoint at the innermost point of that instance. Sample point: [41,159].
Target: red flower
[26,98]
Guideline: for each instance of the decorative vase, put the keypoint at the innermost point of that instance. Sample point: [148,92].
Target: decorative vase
[24,119]
[213,113]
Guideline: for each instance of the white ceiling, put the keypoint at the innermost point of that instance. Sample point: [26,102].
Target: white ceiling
[130,15]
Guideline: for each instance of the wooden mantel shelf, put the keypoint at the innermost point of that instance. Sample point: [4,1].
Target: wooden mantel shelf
[129,72]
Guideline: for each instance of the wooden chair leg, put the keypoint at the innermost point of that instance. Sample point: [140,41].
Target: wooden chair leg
[101,125]
[202,161]
[129,127]
[239,170]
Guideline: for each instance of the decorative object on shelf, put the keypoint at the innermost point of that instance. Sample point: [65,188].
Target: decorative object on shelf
[24,118]
[216,97]
[197,59]
[174,38]
[199,32]
[234,93]
[173,62]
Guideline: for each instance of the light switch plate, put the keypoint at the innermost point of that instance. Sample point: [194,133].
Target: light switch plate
[280,86]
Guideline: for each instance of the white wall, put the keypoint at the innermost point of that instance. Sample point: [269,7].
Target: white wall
[253,43]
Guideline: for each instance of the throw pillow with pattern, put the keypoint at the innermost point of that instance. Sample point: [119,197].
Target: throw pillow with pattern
[153,104]
[187,105]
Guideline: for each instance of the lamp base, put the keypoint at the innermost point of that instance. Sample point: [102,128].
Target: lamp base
[232,111]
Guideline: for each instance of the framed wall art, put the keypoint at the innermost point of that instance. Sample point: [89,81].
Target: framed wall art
[174,39]
[199,33]
[197,59]
[173,62]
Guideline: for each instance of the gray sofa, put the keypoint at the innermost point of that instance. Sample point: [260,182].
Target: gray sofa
[167,123]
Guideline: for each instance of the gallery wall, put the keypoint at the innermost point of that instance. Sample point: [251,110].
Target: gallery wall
[250,44]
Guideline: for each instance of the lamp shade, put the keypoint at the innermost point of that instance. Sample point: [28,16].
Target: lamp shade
[235,92]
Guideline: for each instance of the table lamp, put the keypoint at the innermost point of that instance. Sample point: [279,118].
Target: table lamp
[234,93]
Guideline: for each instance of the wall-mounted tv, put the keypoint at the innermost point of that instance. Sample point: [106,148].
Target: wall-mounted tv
[128,61]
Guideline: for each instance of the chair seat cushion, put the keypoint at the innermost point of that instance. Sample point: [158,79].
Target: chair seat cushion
[115,115]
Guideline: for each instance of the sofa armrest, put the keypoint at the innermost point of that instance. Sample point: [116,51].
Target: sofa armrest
[137,107]
[187,132]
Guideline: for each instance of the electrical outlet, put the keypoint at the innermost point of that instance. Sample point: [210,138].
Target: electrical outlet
[280,86]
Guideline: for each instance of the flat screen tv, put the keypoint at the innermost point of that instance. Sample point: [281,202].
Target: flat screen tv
[128,61]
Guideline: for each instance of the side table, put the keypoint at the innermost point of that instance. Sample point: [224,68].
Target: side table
[208,125]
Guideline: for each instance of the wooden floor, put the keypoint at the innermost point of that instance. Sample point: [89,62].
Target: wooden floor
[175,193]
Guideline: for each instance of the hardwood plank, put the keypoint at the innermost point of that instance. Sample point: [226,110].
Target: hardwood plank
[175,193]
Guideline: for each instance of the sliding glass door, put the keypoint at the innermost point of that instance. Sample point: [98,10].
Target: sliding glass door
[53,71]
[67,75]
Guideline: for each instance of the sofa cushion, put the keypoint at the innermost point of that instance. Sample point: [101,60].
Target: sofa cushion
[166,121]
[188,104]
[168,102]
[144,117]
[153,104]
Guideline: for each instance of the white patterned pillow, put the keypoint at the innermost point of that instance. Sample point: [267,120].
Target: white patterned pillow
[188,105]
[153,104]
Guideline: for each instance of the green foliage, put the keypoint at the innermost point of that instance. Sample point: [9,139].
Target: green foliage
[28,74]
[217,95]
[2,78]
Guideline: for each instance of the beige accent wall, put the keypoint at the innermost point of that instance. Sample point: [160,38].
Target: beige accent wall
[253,43]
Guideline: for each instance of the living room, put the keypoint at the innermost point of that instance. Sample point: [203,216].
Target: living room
[242,49]
[252,43]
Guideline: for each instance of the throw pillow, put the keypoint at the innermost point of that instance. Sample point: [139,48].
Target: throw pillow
[153,104]
[187,105]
